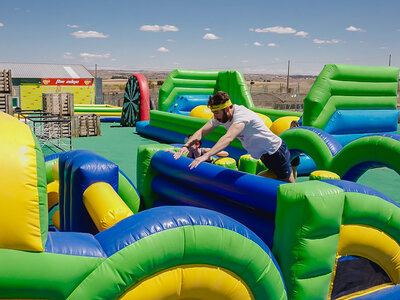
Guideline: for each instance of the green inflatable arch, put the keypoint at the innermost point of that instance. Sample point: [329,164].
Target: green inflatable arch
[367,151]
[309,142]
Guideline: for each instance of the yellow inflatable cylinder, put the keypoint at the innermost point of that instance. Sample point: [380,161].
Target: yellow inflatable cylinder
[202,111]
[266,119]
[56,219]
[282,124]
[52,193]
[104,205]
[226,162]
[321,174]
[54,172]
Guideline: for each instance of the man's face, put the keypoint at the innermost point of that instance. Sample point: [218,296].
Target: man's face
[194,147]
[221,115]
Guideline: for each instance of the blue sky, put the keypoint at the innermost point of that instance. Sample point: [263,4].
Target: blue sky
[250,36]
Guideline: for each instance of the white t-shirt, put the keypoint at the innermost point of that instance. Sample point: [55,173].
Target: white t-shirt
[256,138]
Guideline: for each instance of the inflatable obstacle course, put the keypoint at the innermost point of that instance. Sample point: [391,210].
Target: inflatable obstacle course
[317,229]
[353,101]
[99,109]
[345,101]
[348,162]
[184,90]
[105,249]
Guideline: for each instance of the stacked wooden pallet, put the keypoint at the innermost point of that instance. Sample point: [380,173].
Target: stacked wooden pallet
[6,91]
[61,104]
[59,129]
[86,125]
[6,103]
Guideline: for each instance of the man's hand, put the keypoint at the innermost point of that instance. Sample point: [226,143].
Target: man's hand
[198,160]
[181,152]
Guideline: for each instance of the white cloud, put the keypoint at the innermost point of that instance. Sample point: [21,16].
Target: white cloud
[383,48]
[113,59]
[152,56]
[89,34]
[171,41]
[207,29]
[1,24]
[272,45]
[352,28]
[169,28]
[210,36]
[251,29]
[257,44]
[68,55]
[303,34]
[318,41]
[163,49]
[72,26]
[154,28]
[245,61]
[157,28]
[276,29]
[91,55]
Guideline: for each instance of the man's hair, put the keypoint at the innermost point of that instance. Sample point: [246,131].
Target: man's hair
[219,98]
[198,142]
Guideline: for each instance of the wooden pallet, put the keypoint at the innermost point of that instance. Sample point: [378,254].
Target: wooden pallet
[59,130]
[61,104]
[6,103]
[86,125]
[5,81]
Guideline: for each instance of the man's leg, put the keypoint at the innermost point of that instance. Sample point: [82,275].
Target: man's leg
[279,163]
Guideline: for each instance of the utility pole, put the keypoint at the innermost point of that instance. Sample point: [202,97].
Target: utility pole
[390,59]
[287,80]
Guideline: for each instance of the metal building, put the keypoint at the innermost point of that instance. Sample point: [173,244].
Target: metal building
[31,80]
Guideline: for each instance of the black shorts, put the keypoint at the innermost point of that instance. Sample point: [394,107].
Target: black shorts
[295,161]
[278,162]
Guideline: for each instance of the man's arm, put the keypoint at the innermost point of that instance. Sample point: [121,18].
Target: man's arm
[220,154]
[222,143]
[196,137]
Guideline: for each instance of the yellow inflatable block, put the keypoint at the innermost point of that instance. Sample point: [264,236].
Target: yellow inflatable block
[54,172]
[322,174]
[191,282]
[266,119]
[19,190]
[226,162]
[56,219]
[282,124]
[52,193]
[202,111]
[104,205]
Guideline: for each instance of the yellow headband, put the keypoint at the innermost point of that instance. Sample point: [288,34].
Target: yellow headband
[220,106]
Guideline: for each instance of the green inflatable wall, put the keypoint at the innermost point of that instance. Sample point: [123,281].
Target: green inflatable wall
[349,87]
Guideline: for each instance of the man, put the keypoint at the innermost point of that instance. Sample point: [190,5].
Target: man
[249,128]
